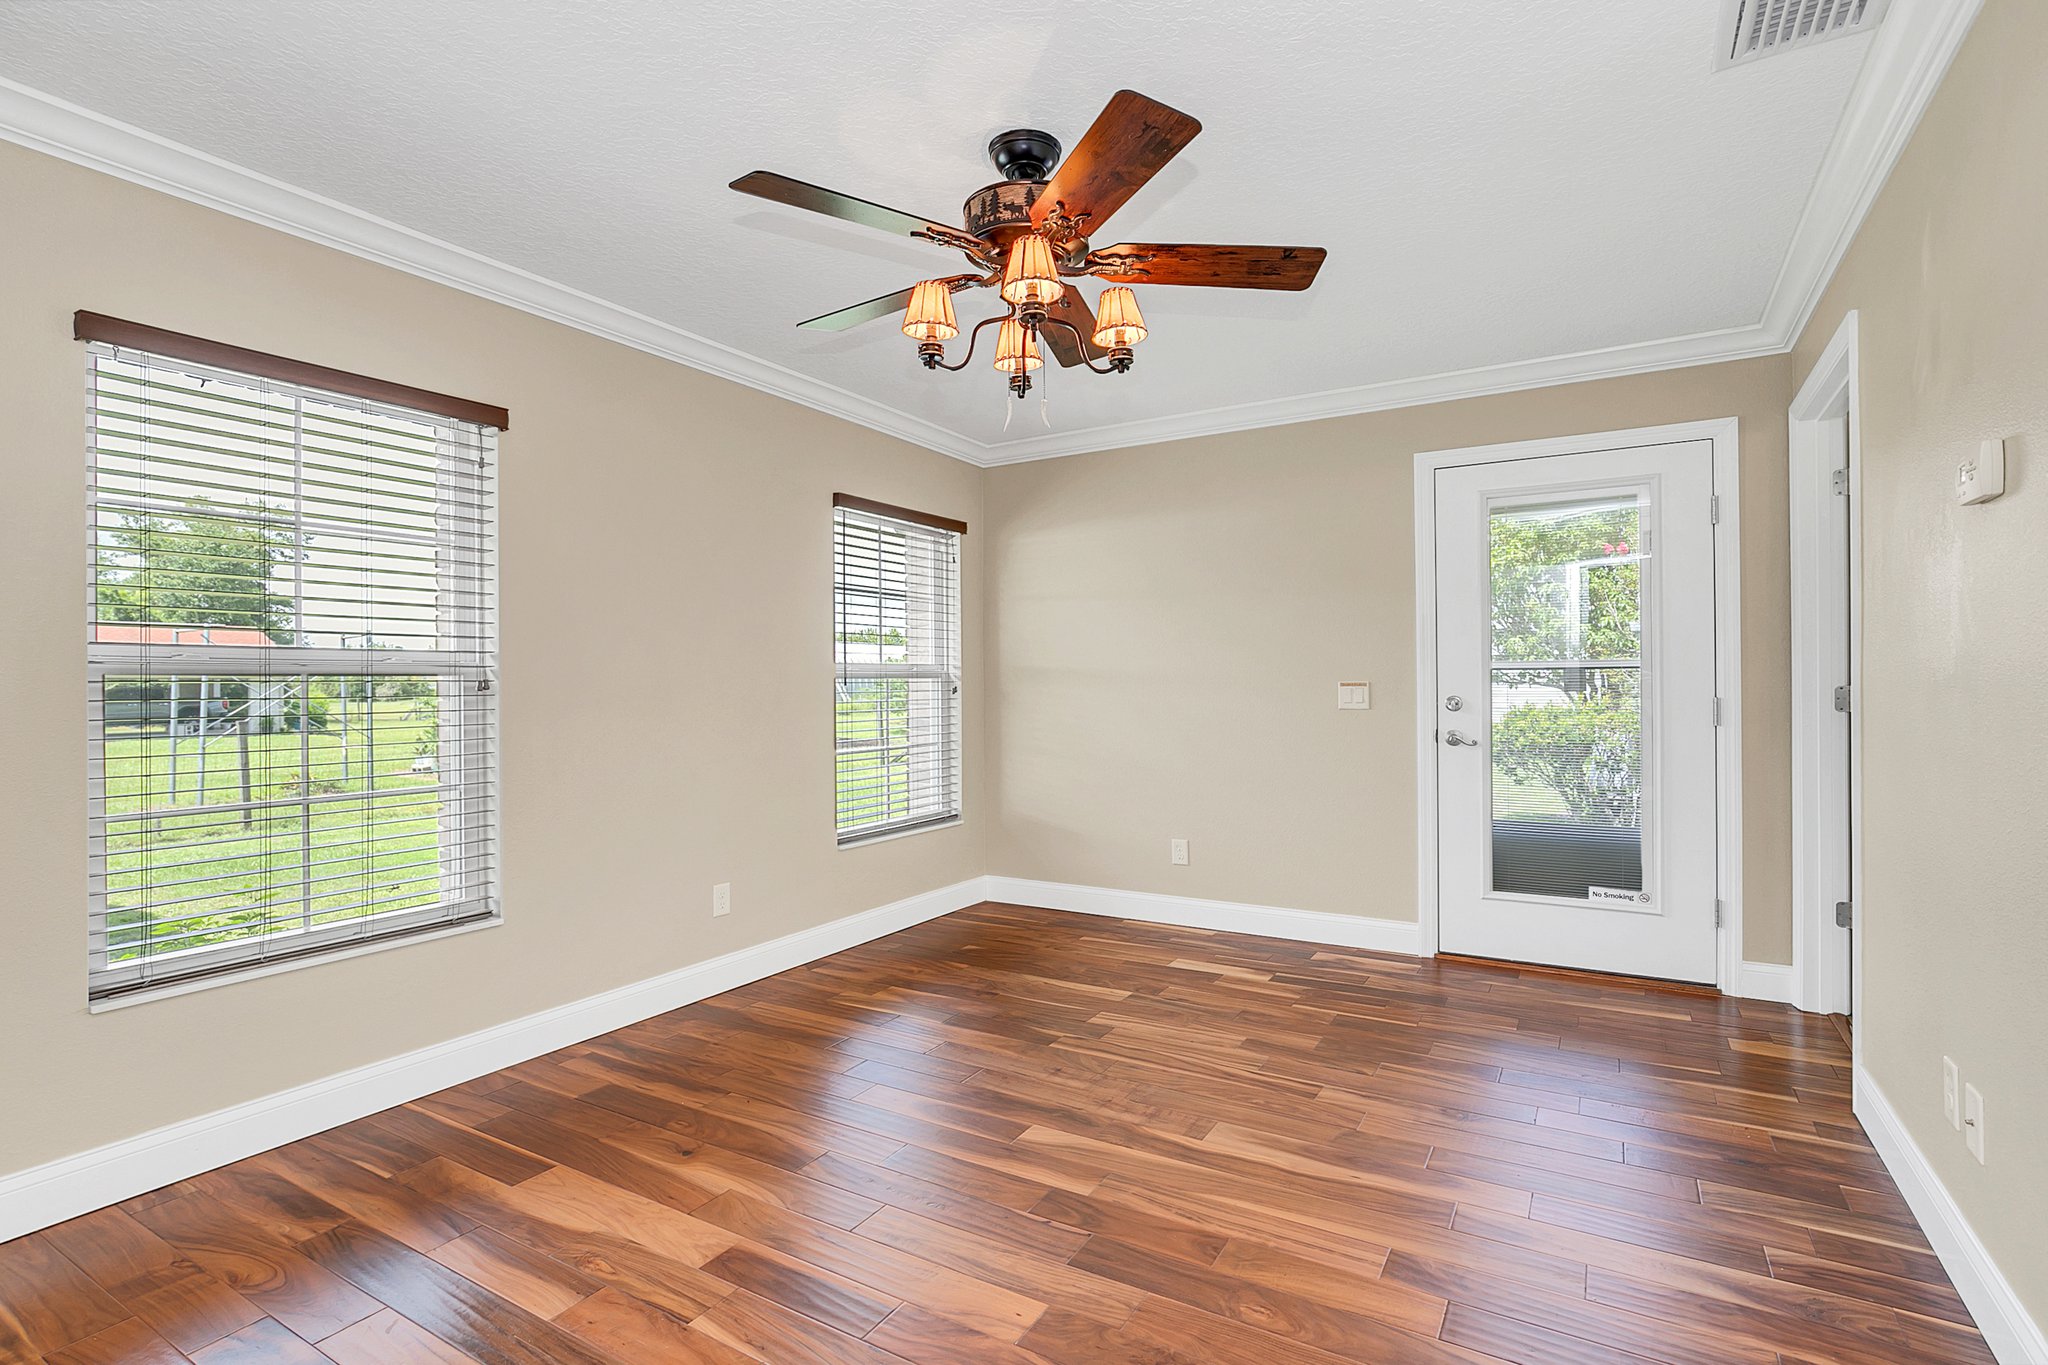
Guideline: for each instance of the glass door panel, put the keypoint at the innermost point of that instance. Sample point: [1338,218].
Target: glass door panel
[1566,588]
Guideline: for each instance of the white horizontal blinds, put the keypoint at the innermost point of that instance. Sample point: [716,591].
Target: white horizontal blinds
[896,640]
[291,671]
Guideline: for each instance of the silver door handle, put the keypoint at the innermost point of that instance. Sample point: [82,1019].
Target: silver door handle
[1454,739]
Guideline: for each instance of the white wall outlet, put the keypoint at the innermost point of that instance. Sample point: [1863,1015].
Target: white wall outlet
[1951,1102]
[1180,852]
[1982,479]
[1973,1121]
[721,899]
[1354,696]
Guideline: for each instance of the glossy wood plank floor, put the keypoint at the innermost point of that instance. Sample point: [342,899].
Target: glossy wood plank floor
[1012,1135]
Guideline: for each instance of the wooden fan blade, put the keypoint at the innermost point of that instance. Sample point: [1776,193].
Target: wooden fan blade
[860,312]
[1074,310]
[833,204]
[1219,267]
[1125,147]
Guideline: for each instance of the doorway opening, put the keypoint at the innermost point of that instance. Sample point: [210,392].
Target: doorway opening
[1825,474]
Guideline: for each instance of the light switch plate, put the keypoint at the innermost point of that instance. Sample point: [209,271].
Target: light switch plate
[1982,479]
[1973,1121]
[1354,696]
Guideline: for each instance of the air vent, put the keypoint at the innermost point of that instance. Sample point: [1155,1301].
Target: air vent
[1763,28]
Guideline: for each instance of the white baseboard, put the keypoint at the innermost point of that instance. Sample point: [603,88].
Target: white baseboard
[43,1195]
[1765,981]
[2012,1335]
[1310,926]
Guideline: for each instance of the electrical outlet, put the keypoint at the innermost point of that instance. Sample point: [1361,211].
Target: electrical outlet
[1180,853]
[721,899]
[1951,1081]
[1973,1121]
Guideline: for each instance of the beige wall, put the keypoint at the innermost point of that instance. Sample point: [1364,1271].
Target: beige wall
[1163,631]
[1950,282]
[666,539]
[1167,626]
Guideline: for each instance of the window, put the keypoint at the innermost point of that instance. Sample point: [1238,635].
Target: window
[291,668]
[896,641]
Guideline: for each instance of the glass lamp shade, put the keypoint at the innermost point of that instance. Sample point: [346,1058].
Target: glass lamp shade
[1118,323]
[930,315]
[1031,276]
[1016,348]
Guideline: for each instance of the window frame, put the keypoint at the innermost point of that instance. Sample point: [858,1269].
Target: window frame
[950,672]
[467,841]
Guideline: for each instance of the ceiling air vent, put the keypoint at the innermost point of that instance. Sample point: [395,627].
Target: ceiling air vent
[1763,28]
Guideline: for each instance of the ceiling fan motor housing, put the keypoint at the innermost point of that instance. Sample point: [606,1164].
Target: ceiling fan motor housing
[1024,153]
[1001,212]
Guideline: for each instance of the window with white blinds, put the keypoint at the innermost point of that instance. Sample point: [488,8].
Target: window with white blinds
[896,641]
[291,672]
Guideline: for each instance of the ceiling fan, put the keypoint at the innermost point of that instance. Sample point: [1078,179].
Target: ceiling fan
[1029,235]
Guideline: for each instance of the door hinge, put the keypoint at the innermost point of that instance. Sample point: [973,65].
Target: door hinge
[1720,912]
[1842,698]
[1845,914]
[1717,712]
[1714,509]
[1839,481]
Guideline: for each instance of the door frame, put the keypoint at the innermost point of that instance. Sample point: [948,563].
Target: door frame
[1725,436]
[1827,760]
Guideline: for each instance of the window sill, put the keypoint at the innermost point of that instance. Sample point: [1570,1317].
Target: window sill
[863,840]
[250,973]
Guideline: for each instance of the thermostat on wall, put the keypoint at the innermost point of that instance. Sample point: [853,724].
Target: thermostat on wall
[1982,479]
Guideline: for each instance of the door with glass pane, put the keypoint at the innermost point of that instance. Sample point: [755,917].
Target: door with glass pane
[1575,710]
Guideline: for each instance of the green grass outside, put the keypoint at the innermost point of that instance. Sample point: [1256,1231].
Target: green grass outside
[241,871]
[874,783]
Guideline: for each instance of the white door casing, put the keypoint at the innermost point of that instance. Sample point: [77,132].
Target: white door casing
[1826,797]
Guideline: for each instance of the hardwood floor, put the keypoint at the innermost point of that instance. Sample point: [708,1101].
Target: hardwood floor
[1012,1135]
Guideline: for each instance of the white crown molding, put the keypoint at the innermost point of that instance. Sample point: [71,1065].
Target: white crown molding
[2013,1336]
[1702,348]
[45,123]
[1909,54]
[47,1194]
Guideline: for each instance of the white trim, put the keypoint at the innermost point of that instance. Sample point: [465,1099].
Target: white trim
[1827,762]
[863,840]
[1725,434]
[43,1195]
[188,985]
[1764,981]
[1426,898]
[1909,54]
[2013,1336]
[1728,695]
[1703,348]
[1188,912]
[47,124]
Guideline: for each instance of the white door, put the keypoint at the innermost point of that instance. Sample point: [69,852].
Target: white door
[1575,710]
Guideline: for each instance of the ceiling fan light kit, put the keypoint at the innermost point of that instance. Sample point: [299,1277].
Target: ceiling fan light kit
[1027,236]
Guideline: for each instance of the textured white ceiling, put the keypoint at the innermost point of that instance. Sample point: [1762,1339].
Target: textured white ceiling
[1496,180]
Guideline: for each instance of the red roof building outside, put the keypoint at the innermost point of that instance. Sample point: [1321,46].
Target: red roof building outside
[122,633]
